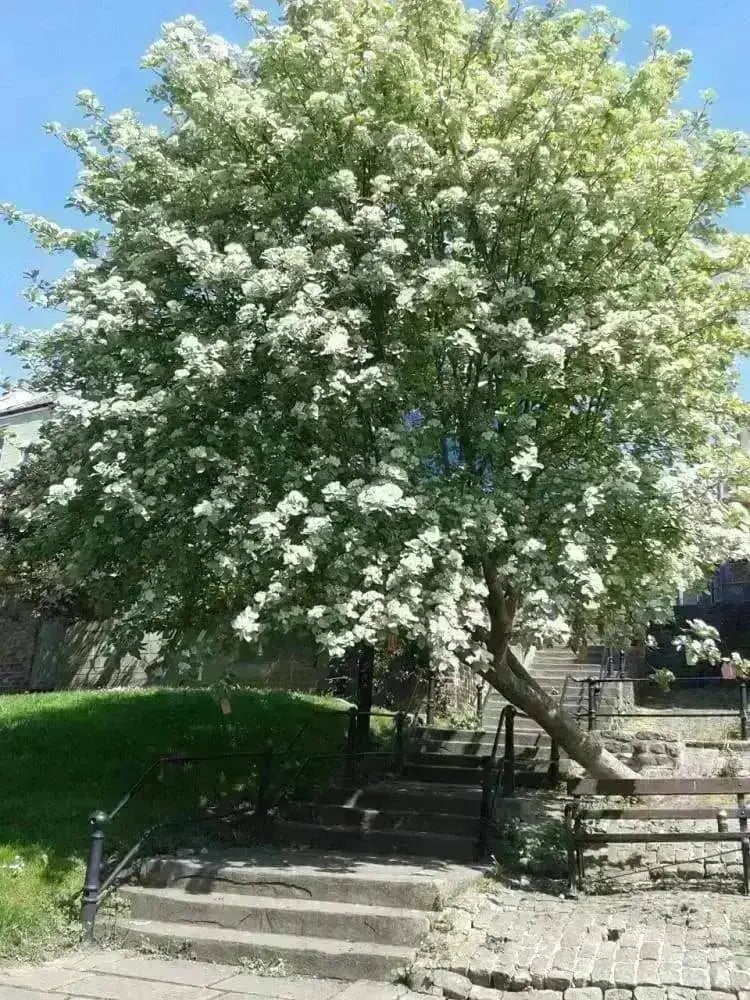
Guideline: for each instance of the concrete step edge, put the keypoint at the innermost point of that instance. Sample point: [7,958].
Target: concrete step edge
[322,957]
[247,901]
[417,836]
[396,814]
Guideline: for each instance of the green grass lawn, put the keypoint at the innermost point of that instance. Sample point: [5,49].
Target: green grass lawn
[63,755]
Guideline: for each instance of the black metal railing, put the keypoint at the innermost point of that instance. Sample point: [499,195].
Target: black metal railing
[497,776]
[607,668]
[594,687]
[269,764]
[482,694]
[95,886]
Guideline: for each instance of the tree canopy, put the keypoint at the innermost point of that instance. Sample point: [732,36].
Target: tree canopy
[409,320]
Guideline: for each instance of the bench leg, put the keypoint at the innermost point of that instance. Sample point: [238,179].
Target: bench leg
[745,845]
[579,856]
[570,846]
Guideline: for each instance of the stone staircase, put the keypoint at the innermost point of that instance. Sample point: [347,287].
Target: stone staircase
[416,815]
[549,669]
[366,867]
[300,913]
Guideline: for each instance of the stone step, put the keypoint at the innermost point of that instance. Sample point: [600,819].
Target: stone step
[454,749]
[378,819]
[528,745]
[333,877]
[443,773]
[421,756]
[478,742]
[261,914]
[526,737]
[416,843]
[521,725]
[408,796]
[322,958]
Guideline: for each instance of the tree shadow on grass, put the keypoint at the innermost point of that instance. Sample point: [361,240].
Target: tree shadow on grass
[64,755]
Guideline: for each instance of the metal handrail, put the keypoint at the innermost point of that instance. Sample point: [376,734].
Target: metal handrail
[593,712]
[650,680]
[494,777]
[95,887]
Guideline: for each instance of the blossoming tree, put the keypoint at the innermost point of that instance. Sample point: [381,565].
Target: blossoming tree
[409,321]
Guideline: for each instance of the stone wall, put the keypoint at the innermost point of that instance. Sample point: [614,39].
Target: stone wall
[48,654]
[644,751]
[18,628]
[59,653]
[459,690]
[613,700]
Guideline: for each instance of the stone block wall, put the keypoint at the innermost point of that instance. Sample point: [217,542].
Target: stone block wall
[459,690]
[18,628]
[613,700]
[48,654]
[644,751]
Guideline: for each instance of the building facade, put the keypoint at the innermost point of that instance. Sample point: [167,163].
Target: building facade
[22,416]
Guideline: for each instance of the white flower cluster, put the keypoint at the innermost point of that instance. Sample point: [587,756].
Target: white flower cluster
[373,328]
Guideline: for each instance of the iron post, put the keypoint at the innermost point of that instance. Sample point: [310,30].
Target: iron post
[590,686]
[93,879]
[480,704]
[509,762]
[621,665]
[351,742]
[430,697]
[399,721]
[553,772]
[743,710]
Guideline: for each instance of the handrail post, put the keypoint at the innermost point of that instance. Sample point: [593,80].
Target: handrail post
[621,665]
[430,708]
[264,783]
[553,772]
[399,721]
[509,762]
[743,710]
[351,743]
[93,878]
[480,704]
[484,806]
[590,684]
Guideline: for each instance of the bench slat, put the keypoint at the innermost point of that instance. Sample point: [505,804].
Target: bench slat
[659,786]
[695,837]
[698,813]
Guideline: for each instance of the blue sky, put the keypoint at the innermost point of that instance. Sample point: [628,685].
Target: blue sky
[49,50]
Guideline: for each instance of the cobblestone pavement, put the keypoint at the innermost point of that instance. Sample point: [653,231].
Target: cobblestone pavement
[113,975]
[665,945]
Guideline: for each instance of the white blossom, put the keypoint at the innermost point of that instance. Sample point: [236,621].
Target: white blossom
[62,493]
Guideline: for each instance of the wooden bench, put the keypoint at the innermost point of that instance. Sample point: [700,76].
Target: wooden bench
[576,815]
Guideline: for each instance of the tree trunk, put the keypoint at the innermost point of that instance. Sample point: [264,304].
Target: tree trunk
[509,676]
[512,680]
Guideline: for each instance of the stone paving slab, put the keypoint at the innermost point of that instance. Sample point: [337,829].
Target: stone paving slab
[119,975]
[17,993]
[163,970]
[46,977]
[292,988]
[105,986]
